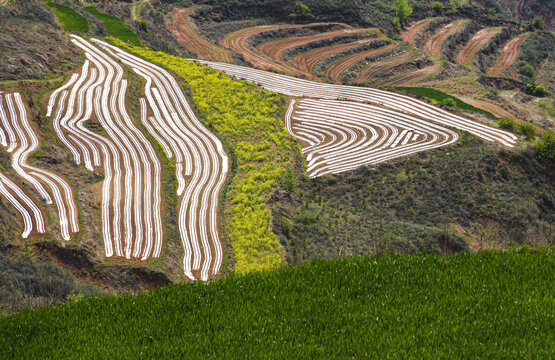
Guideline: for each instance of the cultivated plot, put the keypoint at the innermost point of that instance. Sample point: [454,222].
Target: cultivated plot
[131,189]
[398,106]
[508,57]
[20,140]
[200,159]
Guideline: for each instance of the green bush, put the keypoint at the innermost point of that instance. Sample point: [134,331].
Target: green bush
[115,26]
[489,305]
[301,12]
[536,23]
[546,146]
[507,124]
[538,91]
[437,6]
[526,70]
[402,10]
[528,130]
[70,19]
[449,102]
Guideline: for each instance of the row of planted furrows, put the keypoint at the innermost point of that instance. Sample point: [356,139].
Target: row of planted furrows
[466,55]
[20,140]
[367,106]
[131,204]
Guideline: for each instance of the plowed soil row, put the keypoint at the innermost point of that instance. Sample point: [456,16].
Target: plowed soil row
[433,46]
[476,43]
[185,33]
[308,61]
[408,36]
[370,70]
[275,49]
[485,105]
[335,71]
[508,56]
[412,76]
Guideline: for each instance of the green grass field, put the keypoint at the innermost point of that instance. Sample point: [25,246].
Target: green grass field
[70,19]
[441,97]
[115,26]
[488,305]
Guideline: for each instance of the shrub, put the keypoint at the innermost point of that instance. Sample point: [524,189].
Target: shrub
[402,10]
[449,102]
[545,147]
[526,70]
[507,124]
[437,6]
[528,130]
[301,12]
[539,91]
[536,23]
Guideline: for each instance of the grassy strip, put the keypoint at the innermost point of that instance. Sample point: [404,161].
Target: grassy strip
[467,306]
[248,119]
[437,96]
[115,26]
[70,19]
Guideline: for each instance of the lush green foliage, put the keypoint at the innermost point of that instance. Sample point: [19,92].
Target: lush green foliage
[402,10]
[438,6]
[301,12]
[467,195]
[70,19]
[507,124]
[528,130]
[437,96]
[486,305]
[115,26]
[546,146]
[247,118]
[539,91]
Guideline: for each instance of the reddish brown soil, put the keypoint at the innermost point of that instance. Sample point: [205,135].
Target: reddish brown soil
[412,76]
[508,56]
[433,46]
[275,49]
[485,105]
[307,61]
[335,71]
[187,36]
[370,70]
[408,36]
[466,55]
[237,41]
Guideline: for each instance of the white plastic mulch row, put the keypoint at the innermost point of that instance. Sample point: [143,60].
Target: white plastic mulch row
[343,135]
[304,88]
[201,162]
[17,135]
[131,190]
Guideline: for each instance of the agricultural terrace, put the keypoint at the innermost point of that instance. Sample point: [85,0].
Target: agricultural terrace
[20,141]
[70,19]
[494,305]
[115,26]
[247,118]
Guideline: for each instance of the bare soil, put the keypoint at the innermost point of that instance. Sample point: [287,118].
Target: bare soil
[408,36]
[433,46]
[508,56]
[335,71]
[466,55]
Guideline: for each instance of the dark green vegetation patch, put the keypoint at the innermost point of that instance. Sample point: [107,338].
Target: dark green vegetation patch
[443,98]
[70,19]
[486,305]
[115,26]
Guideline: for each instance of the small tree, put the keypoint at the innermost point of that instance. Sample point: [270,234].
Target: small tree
[536,24]
[301,12]
[546,146]
[527,130]
[402,10]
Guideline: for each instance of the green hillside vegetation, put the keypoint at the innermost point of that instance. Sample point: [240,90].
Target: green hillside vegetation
[440,97]
[247,119]
[490,305]
[70,19]
[115,26]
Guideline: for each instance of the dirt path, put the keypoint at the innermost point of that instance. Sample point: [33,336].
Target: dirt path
[183,31]
[508,56]
[487,106]
[412,76]
[433,46]
[275,49]
[466,55]
[335,71]
[370,70]
[408,36]
[309,60]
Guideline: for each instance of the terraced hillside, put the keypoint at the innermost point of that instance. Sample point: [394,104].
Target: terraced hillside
[193,142]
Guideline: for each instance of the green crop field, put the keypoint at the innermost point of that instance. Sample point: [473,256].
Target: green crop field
[441,97]
[489,305]
[70,19]
[115,26]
